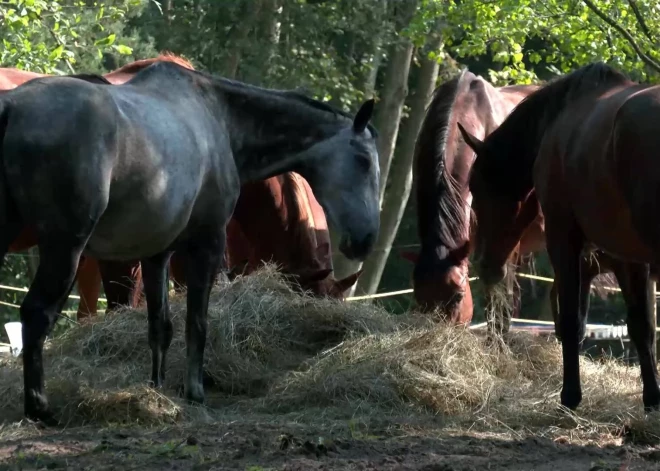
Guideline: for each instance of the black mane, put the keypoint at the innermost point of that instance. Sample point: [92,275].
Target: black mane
[440,207]
[229,84]
[515,143]
[91,78]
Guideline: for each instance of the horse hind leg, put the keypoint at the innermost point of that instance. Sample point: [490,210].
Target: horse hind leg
[205,256]
[636,287]
[155,275]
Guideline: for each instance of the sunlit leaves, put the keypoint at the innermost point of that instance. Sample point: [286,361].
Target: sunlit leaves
[571,34]
[39,35]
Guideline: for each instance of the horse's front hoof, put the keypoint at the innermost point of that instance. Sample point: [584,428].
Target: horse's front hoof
[155,384]
[42,416]
[571,398]
[195,395]
[651,401]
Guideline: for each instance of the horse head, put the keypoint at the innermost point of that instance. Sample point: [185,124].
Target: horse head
[344,174]
[502,217]
[443,285]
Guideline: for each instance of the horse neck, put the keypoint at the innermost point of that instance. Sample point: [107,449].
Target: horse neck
[519,137]
[270,130]
[302,231]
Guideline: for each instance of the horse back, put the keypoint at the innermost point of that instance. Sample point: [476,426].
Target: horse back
[598,160]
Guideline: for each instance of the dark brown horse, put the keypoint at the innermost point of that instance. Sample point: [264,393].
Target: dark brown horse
[584,148]
[442,166]
[279,220]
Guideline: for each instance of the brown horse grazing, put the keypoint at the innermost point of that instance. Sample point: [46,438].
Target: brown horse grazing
[441,168]
[584,148]
[280,220]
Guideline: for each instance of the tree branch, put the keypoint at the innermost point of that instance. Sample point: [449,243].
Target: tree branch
[645,58]
[640,19]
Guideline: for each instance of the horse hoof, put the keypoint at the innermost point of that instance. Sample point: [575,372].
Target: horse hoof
[42,417]
[571,399]
[155,384]
[651,401]
[195,396]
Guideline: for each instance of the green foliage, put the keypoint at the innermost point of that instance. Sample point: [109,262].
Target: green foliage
[571,35]
[56,36]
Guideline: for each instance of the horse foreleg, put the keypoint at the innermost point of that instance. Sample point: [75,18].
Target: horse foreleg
[637,290]
[564,243]
[44,300]
[587,275]
[204,259]
[155,271]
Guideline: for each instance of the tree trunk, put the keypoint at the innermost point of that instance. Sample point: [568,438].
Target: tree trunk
[390,107]
[239,37]
[394,91]
[344,267]
[395,201]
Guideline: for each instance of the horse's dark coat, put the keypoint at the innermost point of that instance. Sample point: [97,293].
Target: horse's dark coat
[138,170]
[585,148]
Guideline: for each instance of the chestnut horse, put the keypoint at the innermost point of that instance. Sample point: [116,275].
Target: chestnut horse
[583,149]
[304,256]
[442,164]
[279,220]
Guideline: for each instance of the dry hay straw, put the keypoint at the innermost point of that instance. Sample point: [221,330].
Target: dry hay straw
[258,330]
[272,350]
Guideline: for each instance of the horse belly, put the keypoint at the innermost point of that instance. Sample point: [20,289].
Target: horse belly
[606,222]
[134,228]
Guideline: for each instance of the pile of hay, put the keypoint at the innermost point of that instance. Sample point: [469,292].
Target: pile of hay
[270,349]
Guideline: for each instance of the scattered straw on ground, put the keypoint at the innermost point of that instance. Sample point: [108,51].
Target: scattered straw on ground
[272,350]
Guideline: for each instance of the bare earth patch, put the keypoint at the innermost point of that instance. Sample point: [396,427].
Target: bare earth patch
[301,384]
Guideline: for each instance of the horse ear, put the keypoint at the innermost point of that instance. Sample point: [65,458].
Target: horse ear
[410,256]
[474,142]
[346,283]
[363,116]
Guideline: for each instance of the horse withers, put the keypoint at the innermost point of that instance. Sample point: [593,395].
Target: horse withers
[139,170]
[583,149]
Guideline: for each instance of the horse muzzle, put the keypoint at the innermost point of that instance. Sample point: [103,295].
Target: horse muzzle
[357,248]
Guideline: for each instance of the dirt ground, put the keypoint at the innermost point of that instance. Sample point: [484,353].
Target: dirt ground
[278,443]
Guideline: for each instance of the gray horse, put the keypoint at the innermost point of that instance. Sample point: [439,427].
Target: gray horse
[136,171]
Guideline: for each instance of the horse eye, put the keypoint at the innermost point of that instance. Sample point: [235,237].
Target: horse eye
[364,161]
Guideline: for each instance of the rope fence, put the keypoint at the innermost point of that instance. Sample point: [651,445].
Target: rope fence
[352,298]
[521,275]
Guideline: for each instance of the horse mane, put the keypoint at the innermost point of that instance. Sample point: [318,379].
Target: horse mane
[440,206]
[299,209]
[164,56]
[91,78]
[518,138]
[323,106]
